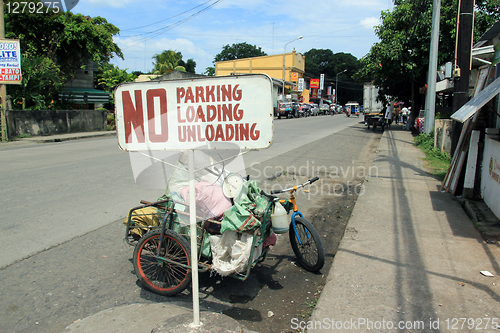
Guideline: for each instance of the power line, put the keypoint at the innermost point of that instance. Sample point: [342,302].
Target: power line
[171,17]
[160,31]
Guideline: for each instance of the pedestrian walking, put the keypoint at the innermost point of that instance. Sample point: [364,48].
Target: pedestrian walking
[389,114]
[397,113]
[404,114]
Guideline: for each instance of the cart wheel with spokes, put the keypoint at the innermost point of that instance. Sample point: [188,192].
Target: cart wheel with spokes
[306,245]
[168,273]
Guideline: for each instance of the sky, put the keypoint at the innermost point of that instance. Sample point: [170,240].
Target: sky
[199,29]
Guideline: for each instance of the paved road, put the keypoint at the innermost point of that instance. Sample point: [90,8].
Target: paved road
[91,270]
[54,192]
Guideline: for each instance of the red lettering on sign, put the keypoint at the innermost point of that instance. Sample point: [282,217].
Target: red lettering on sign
[133,116]
[150,96]
[232,132]
[210,93]
[179,117]
[180,93]
[199,95]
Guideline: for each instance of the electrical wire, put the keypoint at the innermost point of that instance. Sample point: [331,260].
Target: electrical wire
[160,31]
[171,17]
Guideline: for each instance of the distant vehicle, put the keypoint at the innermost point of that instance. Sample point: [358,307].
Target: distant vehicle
[332,109]
[314,109]
[296,109]
[323,109]
[284,110]
[352,107]
[373,109]
[305,110]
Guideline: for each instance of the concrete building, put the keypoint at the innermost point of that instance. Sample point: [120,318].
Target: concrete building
[290,64]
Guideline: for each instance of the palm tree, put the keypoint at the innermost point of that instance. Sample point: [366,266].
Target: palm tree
[166,62]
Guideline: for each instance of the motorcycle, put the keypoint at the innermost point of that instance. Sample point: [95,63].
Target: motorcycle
[348,113]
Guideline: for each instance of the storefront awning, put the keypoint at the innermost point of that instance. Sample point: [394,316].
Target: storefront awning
[84,96]
[483,97]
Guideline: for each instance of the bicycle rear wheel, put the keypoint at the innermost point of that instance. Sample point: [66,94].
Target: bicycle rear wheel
[163,277]
[307,245]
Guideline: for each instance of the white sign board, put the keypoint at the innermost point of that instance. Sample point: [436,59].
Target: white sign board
[322,81]
[301,84]
[10,61]
[205,113]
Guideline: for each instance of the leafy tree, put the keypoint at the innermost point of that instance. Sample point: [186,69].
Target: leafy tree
[210,71]
[109,77]
[398,63]
[324,61]
[189,65]
[61,43]
[69,40]
[166,62]
[239,51]
[40,78]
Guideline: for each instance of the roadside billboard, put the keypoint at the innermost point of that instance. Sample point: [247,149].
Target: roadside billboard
[314,83]
[205,113]
[10,61]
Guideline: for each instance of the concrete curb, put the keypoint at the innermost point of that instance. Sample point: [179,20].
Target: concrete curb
[483,218]
[67,137]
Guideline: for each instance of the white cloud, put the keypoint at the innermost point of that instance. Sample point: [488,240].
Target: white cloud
[370,22]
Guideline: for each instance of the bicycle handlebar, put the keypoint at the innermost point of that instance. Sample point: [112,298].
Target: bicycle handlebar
[310,181]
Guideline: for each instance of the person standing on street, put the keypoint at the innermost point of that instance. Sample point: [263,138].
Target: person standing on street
[404,114]
[388,115]
[397,112]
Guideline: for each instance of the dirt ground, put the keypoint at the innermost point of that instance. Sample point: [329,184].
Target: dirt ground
[279,292]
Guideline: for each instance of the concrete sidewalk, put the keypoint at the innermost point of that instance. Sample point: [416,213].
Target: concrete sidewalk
[411,259]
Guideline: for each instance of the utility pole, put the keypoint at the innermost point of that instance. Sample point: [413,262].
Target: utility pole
[430,98]
[462,66]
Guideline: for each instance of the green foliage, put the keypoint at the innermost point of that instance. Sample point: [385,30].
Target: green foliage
[168,61]
[209,71]
[324,61]
[189,65]
[239,51]
[69,40]
[39,83]
[54,46]
[399,62]
[109,77]
[437,161]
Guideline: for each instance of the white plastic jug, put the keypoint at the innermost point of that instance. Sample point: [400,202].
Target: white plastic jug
[279,219]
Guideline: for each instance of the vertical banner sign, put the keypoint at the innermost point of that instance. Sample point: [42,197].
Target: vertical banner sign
[334,97]
[300,86]
[10,61]
[204,113]
[329,91]
[322,81]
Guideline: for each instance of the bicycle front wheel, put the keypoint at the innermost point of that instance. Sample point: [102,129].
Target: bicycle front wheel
[306,245]
[169,273]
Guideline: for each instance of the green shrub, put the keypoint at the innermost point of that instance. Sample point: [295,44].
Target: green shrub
[438,161]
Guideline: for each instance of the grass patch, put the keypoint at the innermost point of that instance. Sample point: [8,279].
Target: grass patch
[436,161]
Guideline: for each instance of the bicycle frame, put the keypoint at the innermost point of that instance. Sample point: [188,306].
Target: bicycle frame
[293,202]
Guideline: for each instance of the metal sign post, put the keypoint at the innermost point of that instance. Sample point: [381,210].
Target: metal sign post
[205,113]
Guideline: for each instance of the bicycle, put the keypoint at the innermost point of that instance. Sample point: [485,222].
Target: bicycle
[162,256]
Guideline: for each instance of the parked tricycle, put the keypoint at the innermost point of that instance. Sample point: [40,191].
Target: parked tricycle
[160,232]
